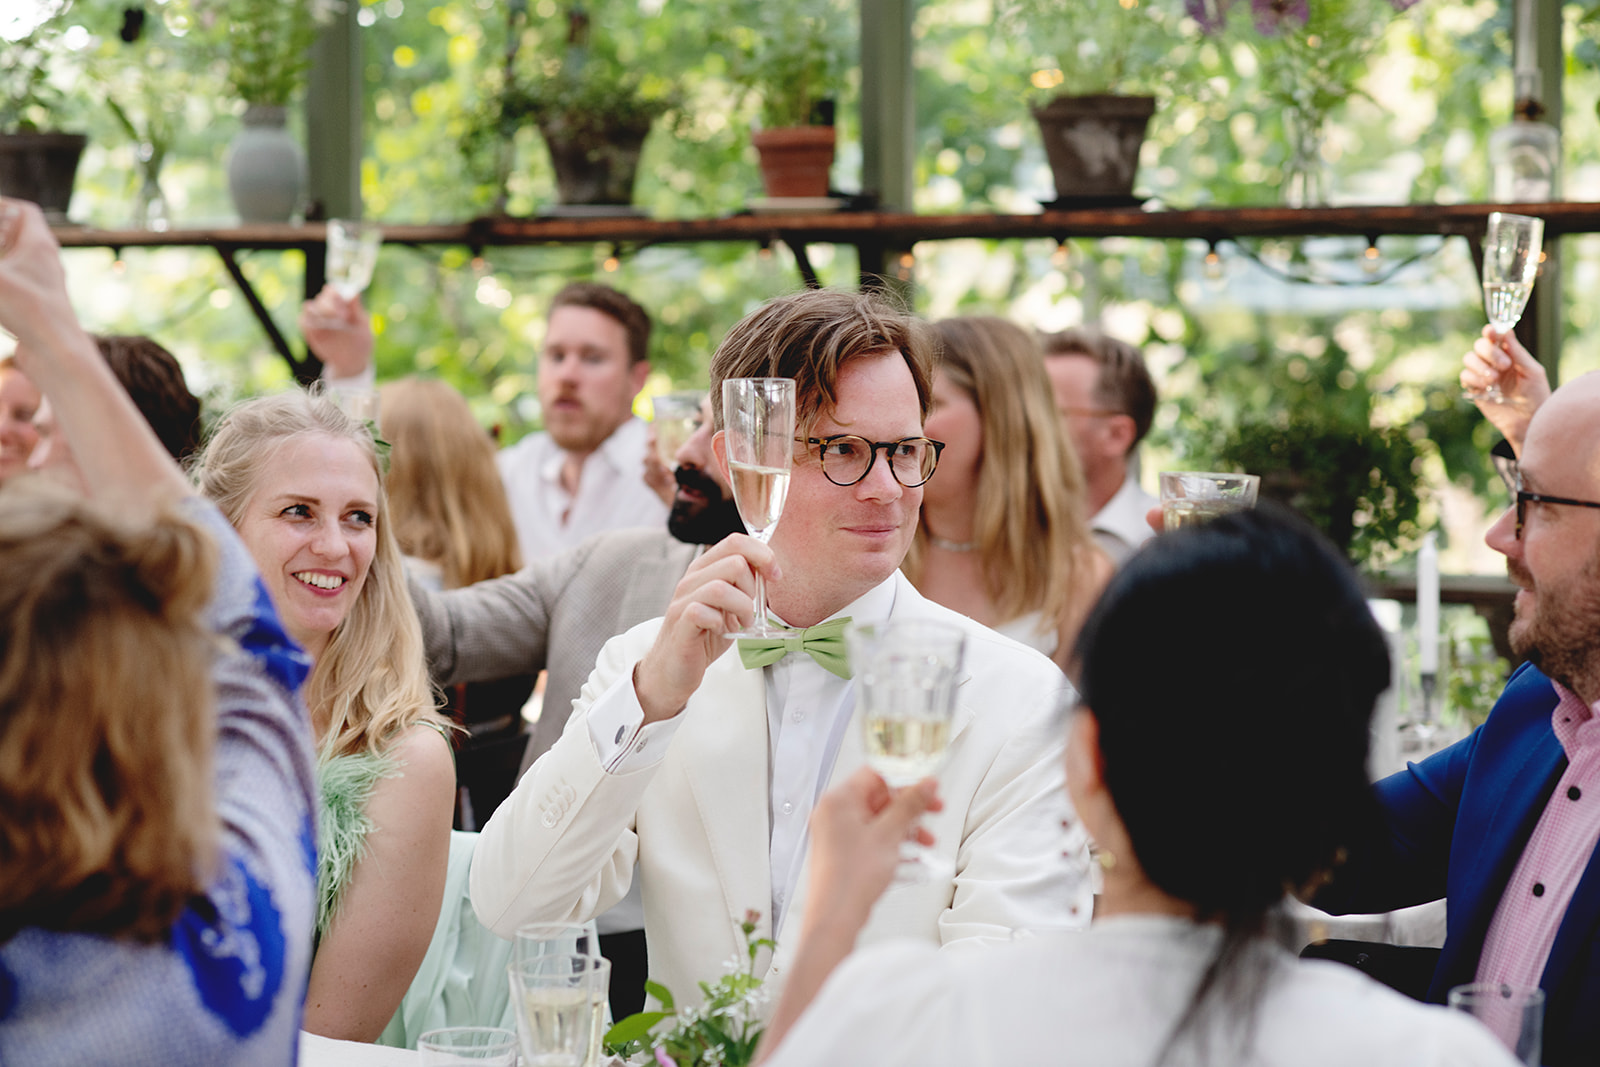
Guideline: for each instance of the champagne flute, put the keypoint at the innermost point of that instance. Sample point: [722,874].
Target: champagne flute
[352,255]
[758,424]
[1510,263]
[906,672]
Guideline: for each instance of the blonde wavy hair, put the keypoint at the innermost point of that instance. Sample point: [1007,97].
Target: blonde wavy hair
[447,500]
[370,684]
[1031,529]
[107,819]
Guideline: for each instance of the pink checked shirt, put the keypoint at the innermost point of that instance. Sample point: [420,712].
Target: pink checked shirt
[1535,900]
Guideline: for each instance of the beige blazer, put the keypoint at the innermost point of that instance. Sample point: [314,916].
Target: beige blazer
[555,614]
[563,846]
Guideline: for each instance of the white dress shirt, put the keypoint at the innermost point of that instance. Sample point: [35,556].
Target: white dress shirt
[1120,527]
[808,708]
[612,493]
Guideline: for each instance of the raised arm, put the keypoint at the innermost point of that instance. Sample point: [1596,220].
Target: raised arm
[1498,360]
[123,463]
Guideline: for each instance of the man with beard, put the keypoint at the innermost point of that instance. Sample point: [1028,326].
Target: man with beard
[557,613]
[1503,824]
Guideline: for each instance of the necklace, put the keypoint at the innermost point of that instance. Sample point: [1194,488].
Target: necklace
[950,546]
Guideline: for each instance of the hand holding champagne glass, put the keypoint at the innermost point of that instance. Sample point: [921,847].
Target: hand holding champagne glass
[905,673]
[1511,254]
[758,426]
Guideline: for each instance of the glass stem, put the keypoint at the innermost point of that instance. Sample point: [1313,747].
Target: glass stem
[759,623]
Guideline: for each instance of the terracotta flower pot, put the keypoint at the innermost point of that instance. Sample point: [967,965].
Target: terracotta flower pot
[1093,143]
[795,160]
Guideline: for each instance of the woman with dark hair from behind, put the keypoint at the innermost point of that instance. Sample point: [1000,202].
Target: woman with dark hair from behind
[1218,759]
[156,784]
[454,525]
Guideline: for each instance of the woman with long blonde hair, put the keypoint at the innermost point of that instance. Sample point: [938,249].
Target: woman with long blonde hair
[302,483]
[454,525]
[1004,538]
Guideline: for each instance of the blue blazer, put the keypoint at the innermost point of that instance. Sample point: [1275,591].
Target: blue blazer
[1457,824]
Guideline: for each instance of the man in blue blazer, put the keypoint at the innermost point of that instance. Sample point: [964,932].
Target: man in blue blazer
[1504,823]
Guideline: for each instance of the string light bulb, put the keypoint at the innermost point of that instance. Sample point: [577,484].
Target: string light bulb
[1371,258]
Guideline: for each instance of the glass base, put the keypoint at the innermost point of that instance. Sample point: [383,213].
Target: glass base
[762,630]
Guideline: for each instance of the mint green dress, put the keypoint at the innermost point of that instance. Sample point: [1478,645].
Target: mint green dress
[462,980]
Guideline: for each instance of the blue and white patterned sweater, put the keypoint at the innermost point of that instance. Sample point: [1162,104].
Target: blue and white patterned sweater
[228,986]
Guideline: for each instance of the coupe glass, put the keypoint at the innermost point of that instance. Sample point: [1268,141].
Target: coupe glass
[560,1002]
[352,254]
[758,424]
[906,672]
[1510,263]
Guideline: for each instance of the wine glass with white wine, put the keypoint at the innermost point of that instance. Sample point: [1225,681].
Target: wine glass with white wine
[758,423]
[905,673]
[1511,257]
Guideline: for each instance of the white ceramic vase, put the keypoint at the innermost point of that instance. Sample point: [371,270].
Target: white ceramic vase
[266,169]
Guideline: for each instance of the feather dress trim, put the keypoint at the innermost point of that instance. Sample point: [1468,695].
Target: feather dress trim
[345,784]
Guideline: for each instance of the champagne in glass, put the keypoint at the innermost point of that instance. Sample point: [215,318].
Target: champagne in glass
[560,1003]
[758,424]
[905,675]
[1510,263]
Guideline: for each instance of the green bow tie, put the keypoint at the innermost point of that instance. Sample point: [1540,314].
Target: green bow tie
[823,643]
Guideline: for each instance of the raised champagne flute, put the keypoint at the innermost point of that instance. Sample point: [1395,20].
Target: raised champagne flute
[758,427]
[905,673]
[352,255]
[1510,263]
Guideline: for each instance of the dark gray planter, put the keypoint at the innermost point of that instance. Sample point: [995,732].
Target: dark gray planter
[593,166]
[41,167]
[1092,143]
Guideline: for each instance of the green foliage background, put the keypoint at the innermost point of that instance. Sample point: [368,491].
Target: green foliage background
[1412,127]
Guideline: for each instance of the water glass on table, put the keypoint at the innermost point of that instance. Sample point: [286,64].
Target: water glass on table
[1189,498]
[906,672]
[1515,1014]
[554,939]
[560,1002]
[468,1046]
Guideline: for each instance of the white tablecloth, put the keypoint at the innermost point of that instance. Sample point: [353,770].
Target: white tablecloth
[317,1051]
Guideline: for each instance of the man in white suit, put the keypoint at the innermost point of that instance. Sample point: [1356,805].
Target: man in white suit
[705,772]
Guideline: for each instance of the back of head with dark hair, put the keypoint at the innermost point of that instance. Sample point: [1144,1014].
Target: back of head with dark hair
[154,380]
[1124,383]
[615,303]
[1232,669]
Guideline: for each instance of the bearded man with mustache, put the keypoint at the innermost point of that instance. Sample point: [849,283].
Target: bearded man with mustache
[1504,824]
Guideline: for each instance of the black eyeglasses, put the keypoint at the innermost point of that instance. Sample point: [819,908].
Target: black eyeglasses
[1523,496]
[846,458]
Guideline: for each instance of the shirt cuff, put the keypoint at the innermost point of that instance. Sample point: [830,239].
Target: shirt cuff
[621,739]
[364,382]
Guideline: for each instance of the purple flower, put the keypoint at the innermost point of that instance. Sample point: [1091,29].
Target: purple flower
[662,1058]
[1210,14]
[1275,15]
[1401,5]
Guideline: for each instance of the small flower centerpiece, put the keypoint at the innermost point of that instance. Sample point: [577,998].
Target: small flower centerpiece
[724,1030]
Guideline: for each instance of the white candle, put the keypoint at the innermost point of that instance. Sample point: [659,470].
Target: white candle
[1428,604]
[1523,44]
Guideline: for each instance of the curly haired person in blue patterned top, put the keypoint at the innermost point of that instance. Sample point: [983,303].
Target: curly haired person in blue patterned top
[156,774]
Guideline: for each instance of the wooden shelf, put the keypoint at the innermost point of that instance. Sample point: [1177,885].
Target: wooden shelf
[885,228]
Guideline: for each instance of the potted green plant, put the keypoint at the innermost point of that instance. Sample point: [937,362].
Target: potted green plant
[265,52]
[37,162]
[793,56]
[1355,482]
[593,109]
[1096,69]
